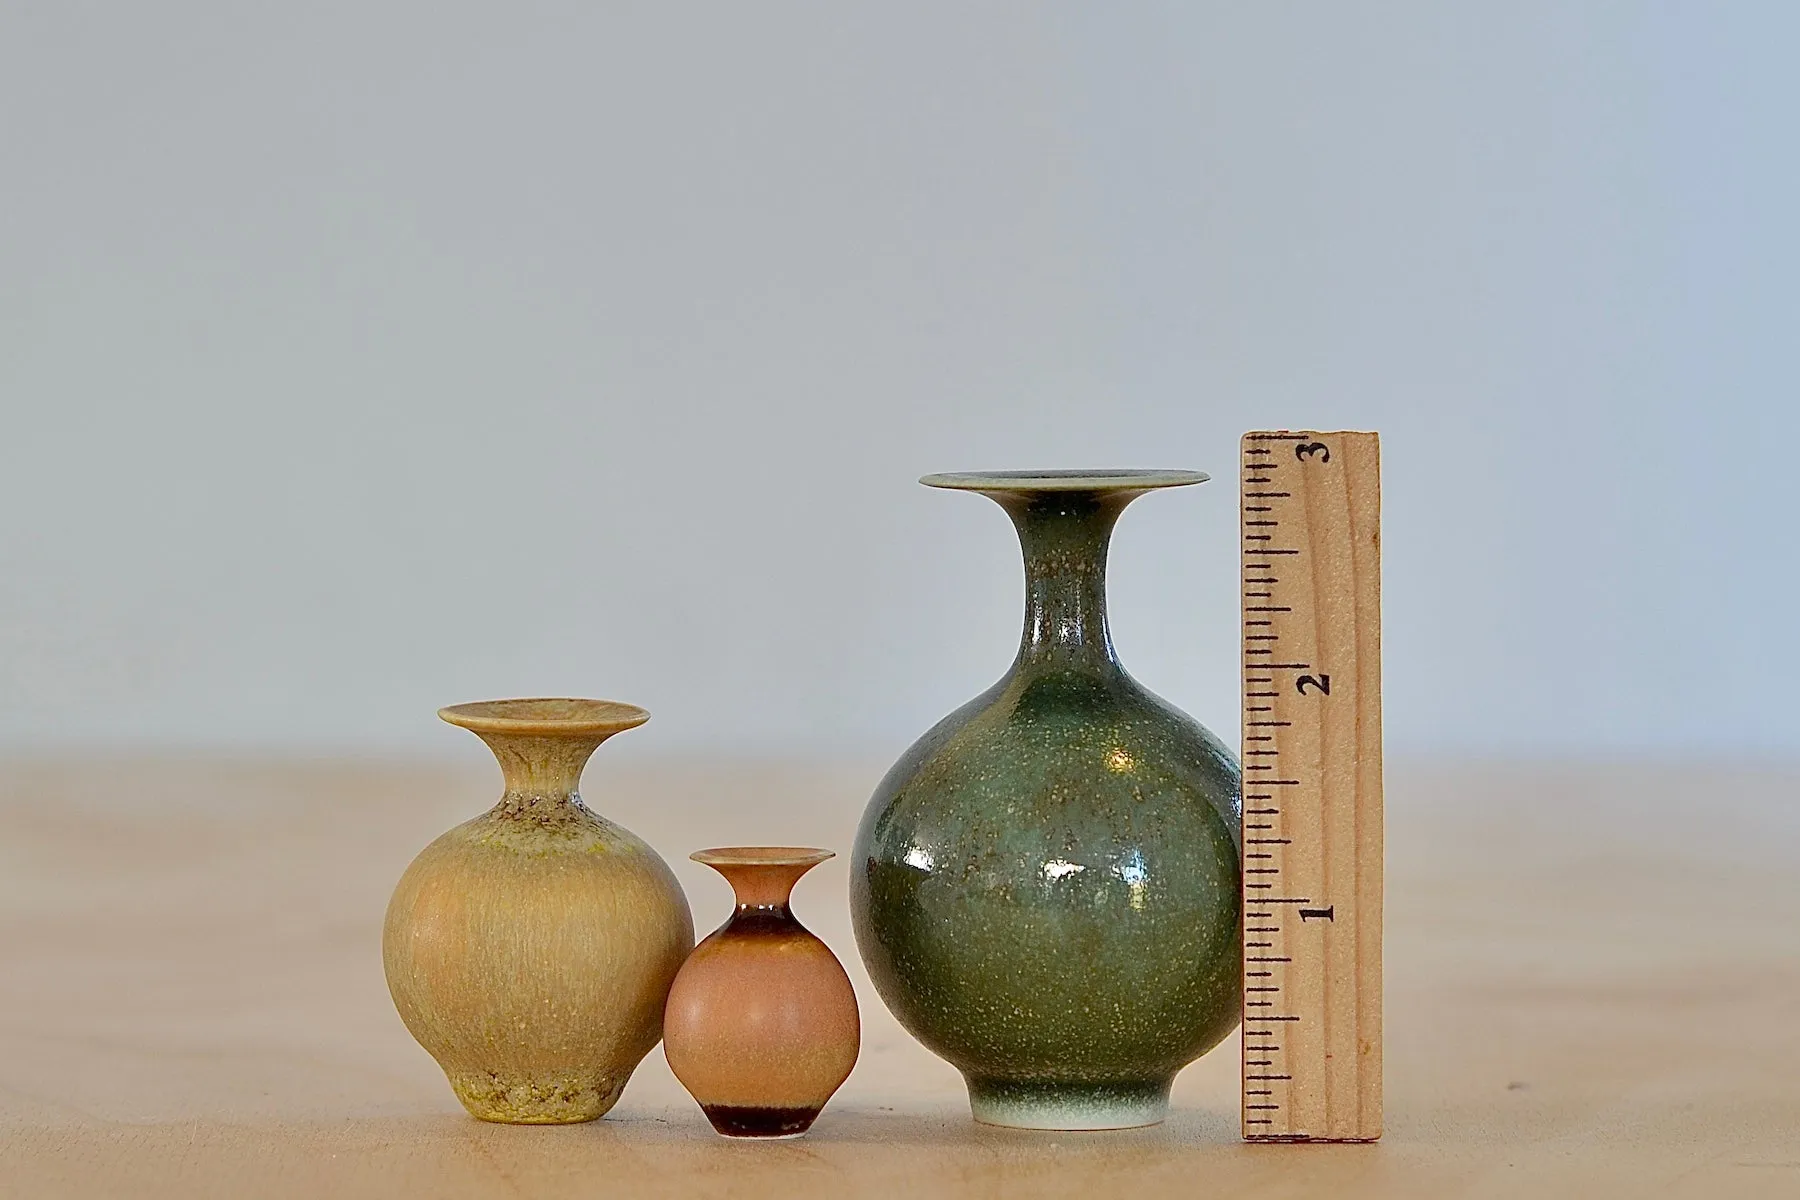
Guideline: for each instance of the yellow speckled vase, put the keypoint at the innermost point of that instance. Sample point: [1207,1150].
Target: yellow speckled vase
[531,949]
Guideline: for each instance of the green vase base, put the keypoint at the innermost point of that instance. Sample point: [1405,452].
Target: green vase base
[1068,1106]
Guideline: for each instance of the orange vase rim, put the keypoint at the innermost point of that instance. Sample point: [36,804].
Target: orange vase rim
[762,856]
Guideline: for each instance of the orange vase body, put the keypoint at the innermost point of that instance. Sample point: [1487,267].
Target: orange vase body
[761,1025]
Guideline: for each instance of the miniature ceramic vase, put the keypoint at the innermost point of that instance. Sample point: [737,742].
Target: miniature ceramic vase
[1045,886]
[530,950]
[761,1025]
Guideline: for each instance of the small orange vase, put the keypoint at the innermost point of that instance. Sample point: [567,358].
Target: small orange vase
[761,1025]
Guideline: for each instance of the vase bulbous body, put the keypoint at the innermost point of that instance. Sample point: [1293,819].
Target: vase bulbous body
[1045,887]
[761,1025]
[531,949]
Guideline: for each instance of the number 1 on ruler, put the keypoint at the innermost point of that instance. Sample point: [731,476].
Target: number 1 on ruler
[1311,570]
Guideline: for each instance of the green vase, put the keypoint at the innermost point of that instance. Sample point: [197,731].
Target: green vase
[1045,886]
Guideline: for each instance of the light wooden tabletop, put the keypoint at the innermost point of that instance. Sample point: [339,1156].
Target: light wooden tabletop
[1593,990]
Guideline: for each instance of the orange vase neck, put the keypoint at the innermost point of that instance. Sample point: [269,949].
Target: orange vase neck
[762,877]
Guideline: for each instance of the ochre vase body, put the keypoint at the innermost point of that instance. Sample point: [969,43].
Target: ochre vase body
[530,950]
[1045,886]
[761,1025]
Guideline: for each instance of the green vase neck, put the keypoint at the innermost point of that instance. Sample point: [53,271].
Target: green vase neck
[1064,537]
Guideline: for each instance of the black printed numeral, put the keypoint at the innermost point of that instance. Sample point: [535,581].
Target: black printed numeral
[1307,450]
[1322,682]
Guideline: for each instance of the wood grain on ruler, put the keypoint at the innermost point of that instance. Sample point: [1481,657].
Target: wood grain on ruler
[1311,526]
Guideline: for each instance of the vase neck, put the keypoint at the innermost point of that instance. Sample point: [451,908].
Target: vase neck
[540,768]
[542,745]
[762,878]
[764,888]
[1064,536]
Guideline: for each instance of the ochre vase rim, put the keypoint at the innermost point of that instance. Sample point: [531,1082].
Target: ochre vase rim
[1100,479]
[545,716]
[762,856]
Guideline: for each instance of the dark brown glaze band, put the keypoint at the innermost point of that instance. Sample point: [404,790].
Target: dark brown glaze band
[763,921]
[733,1121]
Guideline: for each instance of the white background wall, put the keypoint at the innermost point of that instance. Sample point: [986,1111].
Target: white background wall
[356,359]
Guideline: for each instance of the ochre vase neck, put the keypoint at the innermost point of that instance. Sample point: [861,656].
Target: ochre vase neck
[539,767]
[1064,538]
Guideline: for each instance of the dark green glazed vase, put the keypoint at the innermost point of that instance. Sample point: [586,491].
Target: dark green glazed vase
[1045,886]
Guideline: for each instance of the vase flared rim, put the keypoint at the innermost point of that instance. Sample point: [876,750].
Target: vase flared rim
[1095,480]
[565,716]
[762,856]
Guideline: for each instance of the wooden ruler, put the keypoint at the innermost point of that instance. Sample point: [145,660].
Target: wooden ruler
[1311,525]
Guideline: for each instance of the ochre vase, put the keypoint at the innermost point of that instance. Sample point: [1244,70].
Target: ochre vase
[761,1025]
[530,950]
[1045,886]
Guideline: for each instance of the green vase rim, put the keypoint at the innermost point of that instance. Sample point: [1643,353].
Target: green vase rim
[1105,479]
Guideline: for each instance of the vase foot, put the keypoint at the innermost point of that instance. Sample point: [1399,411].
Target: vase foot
[560,1100]
[746,1122]
[1068,1106]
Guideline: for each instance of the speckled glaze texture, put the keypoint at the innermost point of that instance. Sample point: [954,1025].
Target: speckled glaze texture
[761,1025]
[1045,887]
[530,950]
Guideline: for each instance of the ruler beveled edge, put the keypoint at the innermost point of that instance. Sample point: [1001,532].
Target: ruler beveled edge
[1357,519]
